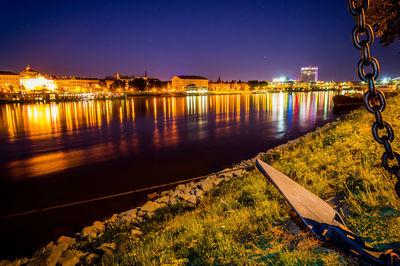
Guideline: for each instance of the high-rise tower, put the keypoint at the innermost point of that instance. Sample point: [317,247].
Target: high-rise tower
[309,74]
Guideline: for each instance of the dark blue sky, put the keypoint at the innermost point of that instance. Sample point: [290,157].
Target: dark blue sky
[235,39]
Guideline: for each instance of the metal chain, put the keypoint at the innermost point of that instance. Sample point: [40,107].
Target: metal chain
[374,99]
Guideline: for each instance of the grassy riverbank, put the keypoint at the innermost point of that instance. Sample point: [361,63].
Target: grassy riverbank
[246,220]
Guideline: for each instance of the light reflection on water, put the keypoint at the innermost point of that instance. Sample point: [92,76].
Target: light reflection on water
[39,139]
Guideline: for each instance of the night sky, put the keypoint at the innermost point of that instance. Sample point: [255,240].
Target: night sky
[239,40]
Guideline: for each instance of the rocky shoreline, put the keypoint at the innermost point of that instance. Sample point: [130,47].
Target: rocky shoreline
[83,249]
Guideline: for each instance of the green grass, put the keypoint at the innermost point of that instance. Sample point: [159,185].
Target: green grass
[246,220]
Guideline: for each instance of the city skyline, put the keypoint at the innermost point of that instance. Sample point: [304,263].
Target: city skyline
[242,40]
[116,76]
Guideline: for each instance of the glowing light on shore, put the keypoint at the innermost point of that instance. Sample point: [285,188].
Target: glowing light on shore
[38,83]
[197,91]
[280,79]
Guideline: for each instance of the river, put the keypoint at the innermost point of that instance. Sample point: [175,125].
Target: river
[56,153]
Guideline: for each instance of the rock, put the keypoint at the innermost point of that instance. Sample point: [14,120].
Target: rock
[224,174]
[150,206]
[131,213]
[71,257]
[192,200]
[128,219]
[165,193]
[185,197]
[91,232]
[176,194]
[217,181]
[248,163]
[190,185]
[173,201]
[186,190]
[212,178]
[164,199]
[237,173]
[197,192]
[152,195]
[92,258]
[68,240]
[112,219]
[53,252]
[206,185]
[180,187]
[242,164]
[17,262]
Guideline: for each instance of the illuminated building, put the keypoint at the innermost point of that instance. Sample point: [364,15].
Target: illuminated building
[228,86]
[9,80]
[38,83]
[282,79]
[190,84]
[124,78]
[78,84]
[32,80]
[29,73]
[219,86]
[309,74]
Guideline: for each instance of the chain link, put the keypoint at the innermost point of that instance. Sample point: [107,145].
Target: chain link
[357,9]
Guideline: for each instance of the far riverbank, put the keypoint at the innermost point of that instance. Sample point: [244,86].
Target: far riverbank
[55,97]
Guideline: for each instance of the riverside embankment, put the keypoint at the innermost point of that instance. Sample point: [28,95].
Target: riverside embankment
[240,218]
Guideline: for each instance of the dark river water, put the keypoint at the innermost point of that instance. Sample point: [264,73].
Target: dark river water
[57,153]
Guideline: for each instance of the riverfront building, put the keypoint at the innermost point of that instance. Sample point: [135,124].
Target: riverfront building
[9,80]
[309,74]
[32,80]
[228,86]
[76,84]
[189,84]
[28,72]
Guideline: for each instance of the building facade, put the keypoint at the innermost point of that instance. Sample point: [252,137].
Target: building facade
[28,72]
[228,86]
[32,80]
[309,74]
[77,84]
[189,84]
[9,80]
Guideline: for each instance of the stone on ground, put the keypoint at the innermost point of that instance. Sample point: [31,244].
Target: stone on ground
[192,199]
[150,206]
[206,185]
[91,232]
[68,240]
[152,196]
[164,199]
[70,257]
[131,213]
